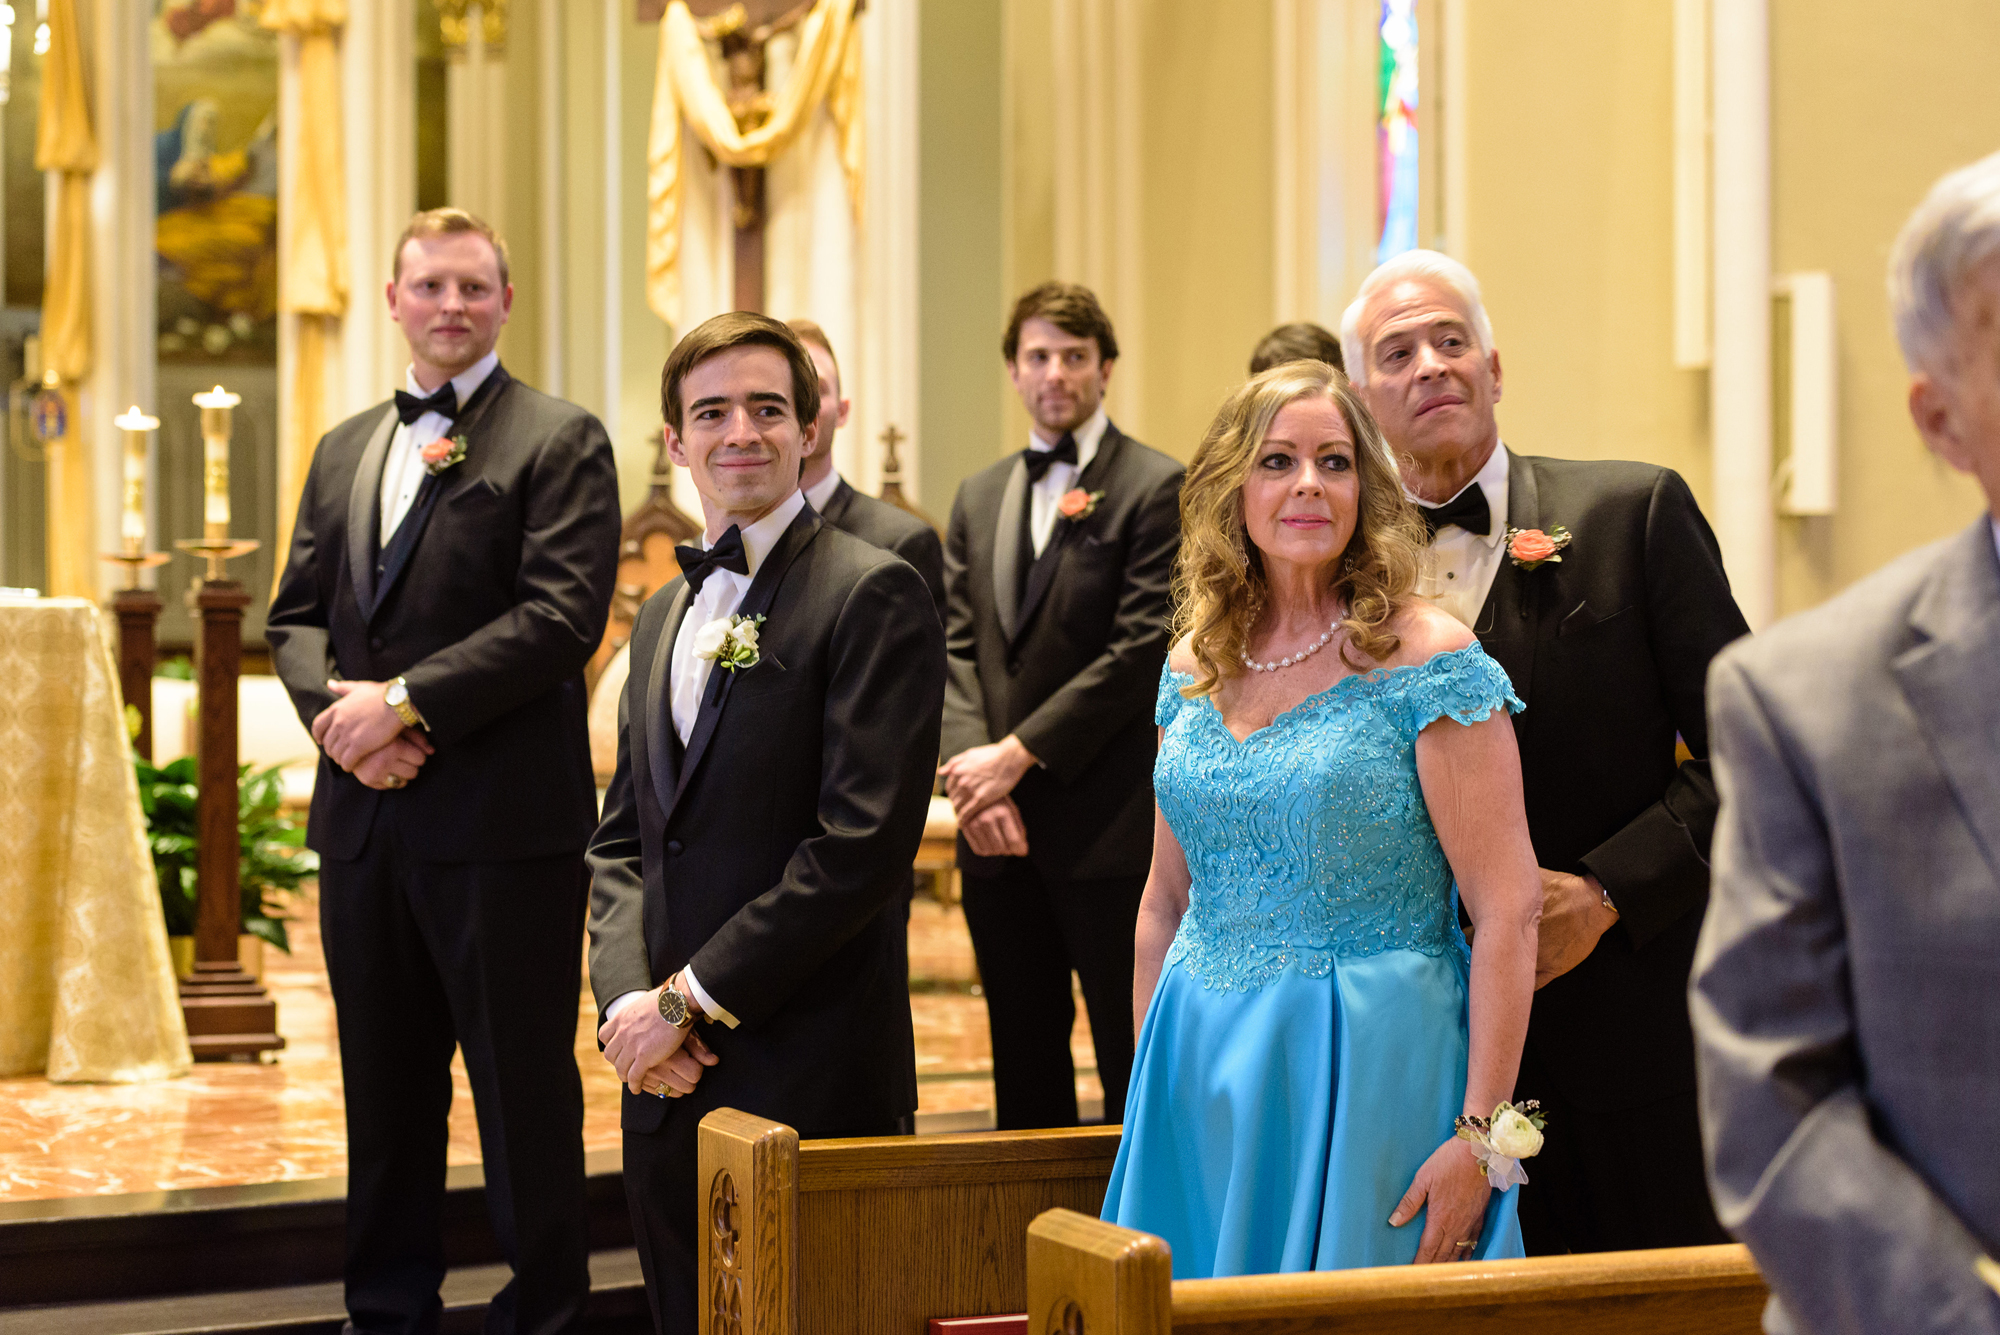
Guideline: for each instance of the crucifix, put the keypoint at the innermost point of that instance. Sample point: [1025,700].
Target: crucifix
[744,28]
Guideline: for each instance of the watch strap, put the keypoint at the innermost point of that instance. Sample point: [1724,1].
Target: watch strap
[404,709]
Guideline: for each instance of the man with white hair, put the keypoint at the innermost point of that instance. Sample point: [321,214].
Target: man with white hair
[1845,989]
[1599,587]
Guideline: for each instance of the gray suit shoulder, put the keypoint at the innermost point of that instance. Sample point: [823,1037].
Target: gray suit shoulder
[878,519]
[1153,466]
[1862,627]
[1604,476]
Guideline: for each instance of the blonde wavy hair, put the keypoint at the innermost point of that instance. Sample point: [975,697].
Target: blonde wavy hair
[1219,583]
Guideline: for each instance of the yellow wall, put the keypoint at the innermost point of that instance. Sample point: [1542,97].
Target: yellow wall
[1569,198]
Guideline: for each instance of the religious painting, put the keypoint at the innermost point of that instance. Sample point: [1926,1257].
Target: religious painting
[1396,130]
[215,151]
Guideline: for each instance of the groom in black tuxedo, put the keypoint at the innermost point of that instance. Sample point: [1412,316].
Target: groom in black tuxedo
[775,747]
[1058,564]
[449,577]
[1609,646]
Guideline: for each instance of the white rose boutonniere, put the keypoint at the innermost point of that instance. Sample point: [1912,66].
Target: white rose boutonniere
[1501,1141]
[729,642]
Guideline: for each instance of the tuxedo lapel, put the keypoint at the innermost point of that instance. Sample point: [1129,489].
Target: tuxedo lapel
[1043,572]
[1506,622]
[663,744]
[364,501]
[757,600]
[403,542]
[1007,552]
[1948,678]
[837,504]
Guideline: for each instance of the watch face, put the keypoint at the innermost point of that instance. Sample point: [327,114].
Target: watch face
[396,694]
[673,1008]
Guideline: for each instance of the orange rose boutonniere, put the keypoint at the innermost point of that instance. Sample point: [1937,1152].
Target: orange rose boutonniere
[1078,504]
[444,453]
[1530,547]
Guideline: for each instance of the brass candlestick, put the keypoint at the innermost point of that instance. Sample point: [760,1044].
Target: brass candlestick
[132,553]
[217,416]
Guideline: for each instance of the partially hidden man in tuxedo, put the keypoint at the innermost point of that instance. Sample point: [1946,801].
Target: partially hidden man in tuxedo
[449,576]
[868,518]
[1599,586]
[1845,987]
[775,751]
[1058,566]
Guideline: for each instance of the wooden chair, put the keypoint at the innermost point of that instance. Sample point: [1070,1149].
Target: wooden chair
[1087,1277]
[876,1236]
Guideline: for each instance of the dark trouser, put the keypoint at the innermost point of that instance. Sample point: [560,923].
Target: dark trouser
[669,1206]
[422,957]
[1029,933]
[1609,1182]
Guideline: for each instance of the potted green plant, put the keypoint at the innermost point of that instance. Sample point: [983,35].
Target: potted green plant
[273,860]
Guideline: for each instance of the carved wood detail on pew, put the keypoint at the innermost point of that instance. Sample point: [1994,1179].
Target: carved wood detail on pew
[892,1230]
[1087,1277]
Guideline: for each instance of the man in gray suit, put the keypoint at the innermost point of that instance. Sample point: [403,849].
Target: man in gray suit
[1844,991]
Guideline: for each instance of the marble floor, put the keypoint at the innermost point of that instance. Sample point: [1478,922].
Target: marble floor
[229,1123]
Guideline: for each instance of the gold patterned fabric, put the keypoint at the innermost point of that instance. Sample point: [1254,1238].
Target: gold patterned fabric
[65,144]
[87,991]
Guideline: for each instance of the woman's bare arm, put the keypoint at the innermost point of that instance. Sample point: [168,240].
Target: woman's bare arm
[1160,910]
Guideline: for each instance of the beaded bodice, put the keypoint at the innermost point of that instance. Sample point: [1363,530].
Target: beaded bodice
[1310,840]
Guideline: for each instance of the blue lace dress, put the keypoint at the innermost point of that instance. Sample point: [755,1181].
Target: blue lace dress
[1305,1050]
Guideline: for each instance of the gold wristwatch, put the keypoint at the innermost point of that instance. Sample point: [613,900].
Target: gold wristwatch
[674,1007]
[397,697]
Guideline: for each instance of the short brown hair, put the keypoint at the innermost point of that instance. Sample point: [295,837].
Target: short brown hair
[448,222]
[1301,342]
[739,329]
[1071,308]
[810,332]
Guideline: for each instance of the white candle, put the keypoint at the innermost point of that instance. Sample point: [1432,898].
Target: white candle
[215,408]
[132,520]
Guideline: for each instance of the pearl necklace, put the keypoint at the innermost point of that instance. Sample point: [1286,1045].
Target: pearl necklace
[1299,657]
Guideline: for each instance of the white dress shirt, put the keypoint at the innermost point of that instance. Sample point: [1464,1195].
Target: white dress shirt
[1459,567]
[687,676]
[820,492]
[1061,477]
[403,470]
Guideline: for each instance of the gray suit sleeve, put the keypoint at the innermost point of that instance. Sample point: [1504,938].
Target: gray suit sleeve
[923,551]
[301,649]
[964,701]
[1849,1236]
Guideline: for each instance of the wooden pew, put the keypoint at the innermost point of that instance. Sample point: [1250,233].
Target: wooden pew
[1087,1277]
[875,1236]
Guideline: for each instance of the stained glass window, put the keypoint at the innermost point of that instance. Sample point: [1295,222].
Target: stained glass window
[1396,130]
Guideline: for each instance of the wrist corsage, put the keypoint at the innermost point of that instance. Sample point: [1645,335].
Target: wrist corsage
[730,642]
[1501,1141]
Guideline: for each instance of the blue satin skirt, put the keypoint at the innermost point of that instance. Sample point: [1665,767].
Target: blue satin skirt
[1276,1130]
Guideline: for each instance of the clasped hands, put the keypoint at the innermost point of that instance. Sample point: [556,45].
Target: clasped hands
[650,1055]
[360,733]
[978,781]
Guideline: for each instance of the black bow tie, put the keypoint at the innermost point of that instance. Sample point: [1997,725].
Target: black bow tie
[1468,510]
[444,403]
[1041,461]
[727,554]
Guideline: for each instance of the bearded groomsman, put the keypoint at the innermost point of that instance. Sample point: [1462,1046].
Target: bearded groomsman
[449,577]
[874,521]
[1599,587]
[775,746]
[1058,564]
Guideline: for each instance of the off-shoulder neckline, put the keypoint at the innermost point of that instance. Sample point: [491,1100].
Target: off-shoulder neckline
[1372,677]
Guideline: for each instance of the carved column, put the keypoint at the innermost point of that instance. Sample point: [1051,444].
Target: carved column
[227,1011]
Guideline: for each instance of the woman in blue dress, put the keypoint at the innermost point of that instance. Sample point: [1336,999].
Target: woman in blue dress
[1336,767]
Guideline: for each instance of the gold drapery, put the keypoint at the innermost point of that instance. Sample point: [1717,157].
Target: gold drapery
[827,71]
[312,261]
[65,143]
[86,986]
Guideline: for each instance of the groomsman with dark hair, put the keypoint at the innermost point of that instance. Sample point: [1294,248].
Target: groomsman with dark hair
[449,577]
[775,745]
[1058,565]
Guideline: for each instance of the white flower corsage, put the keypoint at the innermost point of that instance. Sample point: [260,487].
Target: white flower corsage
[729,642]
[1501,1141]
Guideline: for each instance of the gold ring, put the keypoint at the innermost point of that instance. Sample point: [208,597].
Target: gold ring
[393,781]
[1464,1246]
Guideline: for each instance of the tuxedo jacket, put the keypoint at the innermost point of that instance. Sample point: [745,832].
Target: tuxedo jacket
[490,613]
[893,529]
[766,850]
[1070,665]
[1610,648]
[1844,990]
